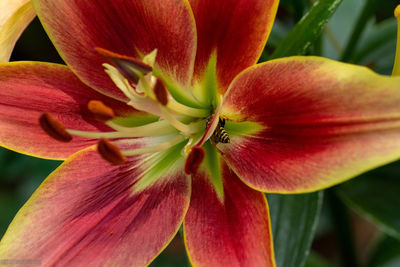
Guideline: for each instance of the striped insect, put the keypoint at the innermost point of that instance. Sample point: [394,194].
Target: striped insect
[220,135]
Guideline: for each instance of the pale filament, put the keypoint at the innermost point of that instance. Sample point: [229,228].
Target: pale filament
[152,129]
[157,127]
[146,101]
[157,148]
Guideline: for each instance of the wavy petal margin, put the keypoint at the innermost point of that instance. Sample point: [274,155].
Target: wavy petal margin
[131,28]
[15,16]
[88,213]
[235,232]
[27,89]
[236,29]
[324,122]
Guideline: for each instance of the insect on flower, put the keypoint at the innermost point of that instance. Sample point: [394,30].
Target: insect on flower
[219,135]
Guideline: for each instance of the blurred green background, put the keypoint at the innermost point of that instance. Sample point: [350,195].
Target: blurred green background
[369,205]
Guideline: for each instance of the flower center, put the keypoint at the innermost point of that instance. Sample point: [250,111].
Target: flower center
[188,120]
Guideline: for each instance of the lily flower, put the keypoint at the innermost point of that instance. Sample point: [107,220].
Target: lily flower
[165,120]
[15,15]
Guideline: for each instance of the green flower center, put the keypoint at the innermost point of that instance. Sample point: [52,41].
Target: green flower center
[174,114]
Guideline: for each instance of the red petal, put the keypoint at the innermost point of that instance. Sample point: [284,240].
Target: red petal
[325,122]
[29,89]
[126,27]
[238,30]
[87,213]
[234,233]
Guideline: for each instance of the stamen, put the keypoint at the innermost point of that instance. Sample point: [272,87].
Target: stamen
[162,96]
[138,97]
[119,80]
[131,68]
[179,108]
[110,152]
[185,129]
[152,129]
[194,160]
[54,128]
[161,93]
[145,84]
[101,111]
[143,97]
[149,127]
[161,147]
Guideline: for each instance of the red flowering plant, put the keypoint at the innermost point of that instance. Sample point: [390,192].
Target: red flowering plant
[163,119]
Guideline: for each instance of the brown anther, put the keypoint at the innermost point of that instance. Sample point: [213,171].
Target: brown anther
[100,111]
[54,128]
[110,152]
[194,159]
[160,90]
[126,64]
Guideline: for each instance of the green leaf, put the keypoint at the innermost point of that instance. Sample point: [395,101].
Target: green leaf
[174,255]
[378,36]
[358,29]
[386,253]
[378,45]
[309,28]
[314,260]
[294,220]
[376,195]
[278,33]
[339,28]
